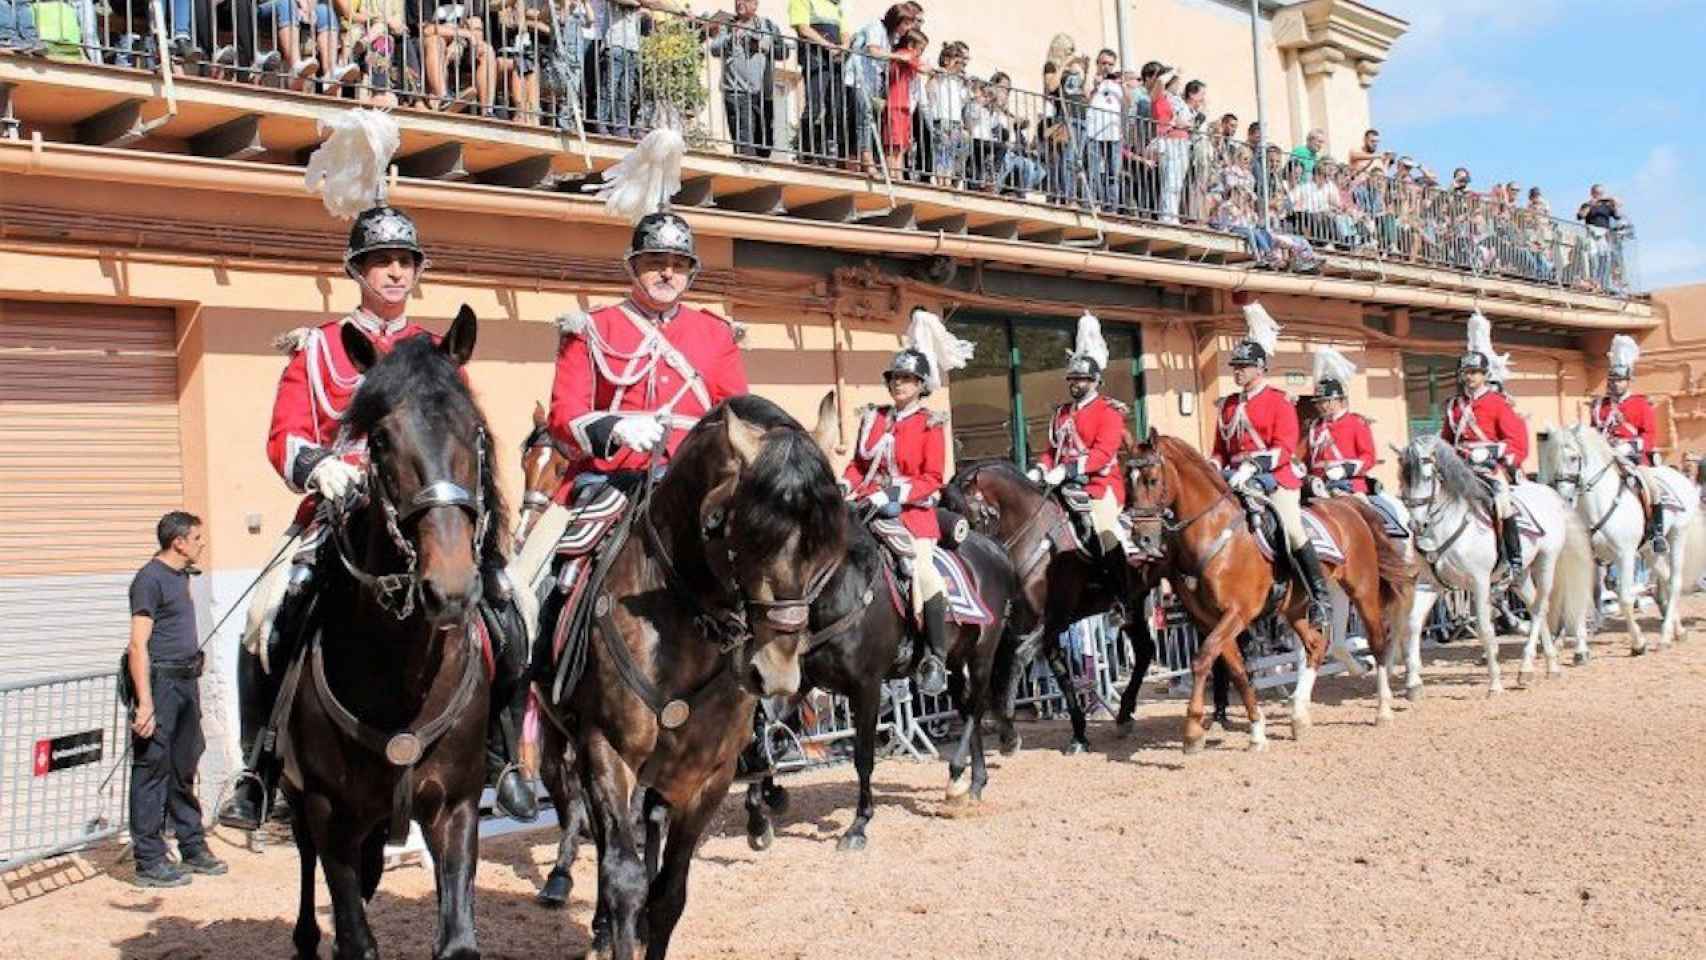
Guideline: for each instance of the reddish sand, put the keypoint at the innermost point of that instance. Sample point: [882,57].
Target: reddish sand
[1563,820]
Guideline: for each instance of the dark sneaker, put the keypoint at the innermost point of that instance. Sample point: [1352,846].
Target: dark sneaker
[184,48]
[204,862]
[160,874]
[514,797]
[932,676]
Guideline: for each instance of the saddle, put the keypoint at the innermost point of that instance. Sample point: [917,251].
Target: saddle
[1265,526]
[595,532]
[965,599]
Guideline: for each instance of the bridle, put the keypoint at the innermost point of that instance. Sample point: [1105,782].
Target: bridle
[396,592]
[1164,515]
[785,616]
[537,501]
[1578,488]
[1424,513]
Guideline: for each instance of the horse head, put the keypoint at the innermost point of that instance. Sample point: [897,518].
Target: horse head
[544,464]
[774,526]
[994,497]
[1154,494]
[432,500]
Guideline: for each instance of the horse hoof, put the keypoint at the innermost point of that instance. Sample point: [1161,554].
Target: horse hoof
[850,842]
[1075,748]
[1582,658]
[958,786]
[1126,728]
[1554,670]
[554,895]
[1524,677]
[1194,745]
[762,841]
[1010,746]
[1383,718]
[1638,651]
[1413,694]
[1494,692]
[1261,746]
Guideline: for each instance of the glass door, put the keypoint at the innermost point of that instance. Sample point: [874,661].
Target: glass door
[1429,381]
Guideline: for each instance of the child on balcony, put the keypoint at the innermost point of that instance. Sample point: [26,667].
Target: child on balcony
[904,69]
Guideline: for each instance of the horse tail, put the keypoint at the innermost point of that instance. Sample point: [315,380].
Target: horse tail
[1694,551]
[1572,578]
[1396,569]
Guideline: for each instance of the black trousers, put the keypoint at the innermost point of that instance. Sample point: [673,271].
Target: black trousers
[823,124]
[162,773]
[750,123]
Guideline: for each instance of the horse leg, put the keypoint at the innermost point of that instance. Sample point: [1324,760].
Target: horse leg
[666,895]
[1338,636]
[1314,652]
[1426,596]
[339,848]
[867,700]
[760,832]
[1380,643]
[1234,660]
[959,782]
[1221,685]
[1218,639]
[622,881]
[977,703]
[1143,654]
[452,835]
[1670,592]
[653,814]
[571,815]
[1063,681]
[1626,598]
[306,937]
[1489,639]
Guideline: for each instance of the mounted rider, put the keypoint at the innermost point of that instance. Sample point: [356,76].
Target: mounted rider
[897,468]
[1339,451]
[1631,426]
[1484,428]
[1256,435]
[1084,441]
[306,444]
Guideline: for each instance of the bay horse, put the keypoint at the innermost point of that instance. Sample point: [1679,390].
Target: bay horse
[860,639]
[700,611]
[1056,587]
[1183,505]
[384,709]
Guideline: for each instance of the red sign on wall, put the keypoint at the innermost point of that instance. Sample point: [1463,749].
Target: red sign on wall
[71,750]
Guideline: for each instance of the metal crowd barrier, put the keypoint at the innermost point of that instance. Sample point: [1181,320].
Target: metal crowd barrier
[768,94]
[61,784]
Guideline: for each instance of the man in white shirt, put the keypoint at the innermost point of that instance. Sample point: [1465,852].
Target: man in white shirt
[1102,127]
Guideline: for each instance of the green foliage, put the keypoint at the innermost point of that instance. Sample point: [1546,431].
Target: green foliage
[672,66]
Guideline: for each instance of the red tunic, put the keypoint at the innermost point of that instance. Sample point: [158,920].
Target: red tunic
[1264,422]
[1488,418]
[1630,421]
[316,389]
[1089,434]
[623,362]
[908,451]
[1345,441]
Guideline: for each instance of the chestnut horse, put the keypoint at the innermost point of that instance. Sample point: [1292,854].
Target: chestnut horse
[1185,507]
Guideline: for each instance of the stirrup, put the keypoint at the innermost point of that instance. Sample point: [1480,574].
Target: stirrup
[263,810]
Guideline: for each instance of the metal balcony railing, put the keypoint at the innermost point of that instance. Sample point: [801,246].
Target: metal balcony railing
[768,95]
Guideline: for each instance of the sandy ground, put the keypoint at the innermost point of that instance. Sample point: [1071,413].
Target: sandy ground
[1562,820]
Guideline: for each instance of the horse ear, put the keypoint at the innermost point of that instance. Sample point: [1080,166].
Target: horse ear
[1396,449]
[540,416]
[1154,437]
[744,438]
[827,433]
[358,348]
[458,342]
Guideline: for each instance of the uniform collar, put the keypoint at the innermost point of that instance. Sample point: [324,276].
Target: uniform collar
[1088,399]
[370,324]
[1335,418]
[1252,394]
[915,407]
[1472,397]
[656,319]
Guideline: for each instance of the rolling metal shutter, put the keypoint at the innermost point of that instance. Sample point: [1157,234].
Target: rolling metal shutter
[89,460]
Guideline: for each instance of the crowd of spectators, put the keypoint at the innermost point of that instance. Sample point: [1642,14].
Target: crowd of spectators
[870,98]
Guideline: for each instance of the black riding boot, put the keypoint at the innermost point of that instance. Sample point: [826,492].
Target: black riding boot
[1309,565]
[1656,531]
[1512,538]
[933,668]
[246,806]
[513,793]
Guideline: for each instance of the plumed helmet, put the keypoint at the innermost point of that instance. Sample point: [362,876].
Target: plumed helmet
[1329,389]
[381,228]
[910,363]
[1083,366]
[1474,360]
[1623,354]
[663,232]
[1249,353]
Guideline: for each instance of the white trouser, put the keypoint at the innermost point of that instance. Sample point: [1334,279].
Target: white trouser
[264,605]
[1105,520]
[1501,495]
[926,579]
[1289,505]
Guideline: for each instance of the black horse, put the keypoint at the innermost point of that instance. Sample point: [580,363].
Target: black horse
[1056,588]
[385,707]
[859,639]
[702,609]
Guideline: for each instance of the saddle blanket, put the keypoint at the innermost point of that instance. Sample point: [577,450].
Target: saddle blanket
[590,520]
[1325,547]
[1526,524]
[1674,491]
[1389,517]
[965,604]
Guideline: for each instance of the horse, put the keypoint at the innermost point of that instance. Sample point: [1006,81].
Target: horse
[1057,588]
[384,709]
[1579,462]
[1218,572]
[1451,514]
[703,609]
[860,637]
[544,466]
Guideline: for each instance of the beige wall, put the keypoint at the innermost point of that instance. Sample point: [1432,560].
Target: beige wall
[1672,368]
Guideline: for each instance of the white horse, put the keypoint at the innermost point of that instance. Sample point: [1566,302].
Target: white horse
[1451,515]
[1581,464]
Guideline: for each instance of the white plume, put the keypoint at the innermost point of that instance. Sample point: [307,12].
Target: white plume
[1330,364]
[1090,342]
[1624,351]
[947,352]
[348,170]
[1481,341]
[646,177]
[1262,328]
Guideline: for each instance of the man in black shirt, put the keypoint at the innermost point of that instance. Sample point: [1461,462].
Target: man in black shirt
[164,661]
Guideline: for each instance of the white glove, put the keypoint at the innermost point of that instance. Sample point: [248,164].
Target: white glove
[638,433]
[846,488]
[1479,454]
[1335,472]
[1242,475]
[333,479]
[1035,474]
[1054,476]
[878,500]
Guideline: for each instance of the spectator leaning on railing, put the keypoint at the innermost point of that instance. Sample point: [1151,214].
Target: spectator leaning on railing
[948,97]
[1103,132]
[905,91]
[822,24]
[1603,216]
[1314,145]
[749,46]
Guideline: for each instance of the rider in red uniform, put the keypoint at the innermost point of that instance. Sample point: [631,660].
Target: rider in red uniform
[308,449]
[1484,428]
[1340,446]
[1630,425]
[897,471]
[1084,448]
[634,377]
[1256,434]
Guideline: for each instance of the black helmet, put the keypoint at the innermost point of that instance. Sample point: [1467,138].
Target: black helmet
[1329,389]
[1249,353]
[1474,360]
[381,228]
[663,233]
[909,363]
[1083,366]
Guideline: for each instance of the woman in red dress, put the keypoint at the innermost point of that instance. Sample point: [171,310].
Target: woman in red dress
[904,67]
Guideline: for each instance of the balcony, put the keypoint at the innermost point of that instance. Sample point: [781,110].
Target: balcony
[984,171]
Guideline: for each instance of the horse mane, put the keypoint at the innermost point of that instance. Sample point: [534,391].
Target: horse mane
[416,373]
[1592,441]
[1452,473]
[1182,454]
[792,478]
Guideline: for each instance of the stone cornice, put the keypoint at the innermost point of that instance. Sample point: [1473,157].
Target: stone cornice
[1325,34]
